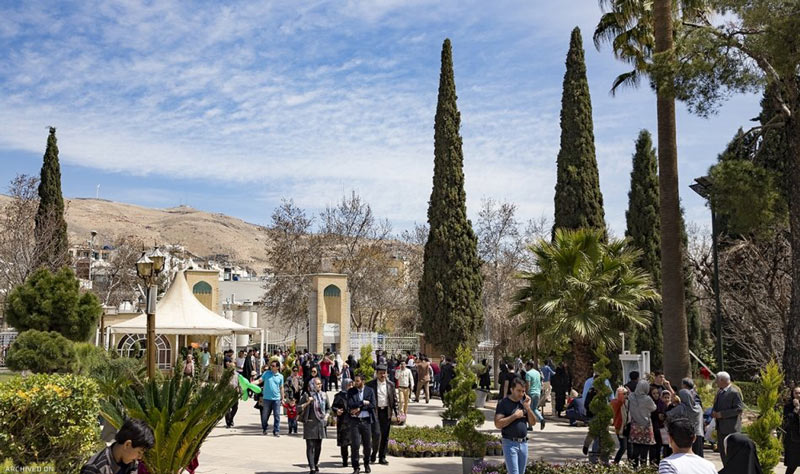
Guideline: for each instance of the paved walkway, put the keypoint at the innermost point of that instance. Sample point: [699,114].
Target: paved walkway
[244,450]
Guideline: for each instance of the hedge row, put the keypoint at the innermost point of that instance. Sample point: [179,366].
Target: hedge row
[540,467]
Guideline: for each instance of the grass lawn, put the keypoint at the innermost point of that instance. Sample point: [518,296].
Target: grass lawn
[5,376]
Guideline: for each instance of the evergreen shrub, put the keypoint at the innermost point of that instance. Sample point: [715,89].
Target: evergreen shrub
[762,431]
[49,418]
[41,352]
[366,365]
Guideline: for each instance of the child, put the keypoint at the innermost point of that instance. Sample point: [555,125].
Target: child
[130,443]
[291,413]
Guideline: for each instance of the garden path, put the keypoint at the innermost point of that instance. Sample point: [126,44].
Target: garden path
[244,450]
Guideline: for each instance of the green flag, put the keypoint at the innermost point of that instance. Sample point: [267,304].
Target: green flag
[245,385]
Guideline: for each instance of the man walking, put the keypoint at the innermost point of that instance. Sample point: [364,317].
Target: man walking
[424,378]
[272,395]
[386,405]
[727,411]
[534,380]
[512,416]
[404,381]
[361,404]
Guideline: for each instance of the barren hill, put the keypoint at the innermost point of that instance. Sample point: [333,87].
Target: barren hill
[202,233]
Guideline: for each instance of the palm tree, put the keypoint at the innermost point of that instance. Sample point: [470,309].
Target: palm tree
[642,34]
[182,411]
[586,290]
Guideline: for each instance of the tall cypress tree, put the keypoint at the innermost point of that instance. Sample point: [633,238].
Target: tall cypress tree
[643,228]
[451,285]
[578,200]
[50,231]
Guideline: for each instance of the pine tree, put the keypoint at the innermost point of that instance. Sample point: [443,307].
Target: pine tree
[643,228]
[770,419]
[51,228]
[451,285]
[578,200]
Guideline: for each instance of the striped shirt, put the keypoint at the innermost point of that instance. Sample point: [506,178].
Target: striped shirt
[103,463]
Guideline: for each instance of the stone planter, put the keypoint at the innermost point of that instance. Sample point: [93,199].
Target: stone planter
[468,463]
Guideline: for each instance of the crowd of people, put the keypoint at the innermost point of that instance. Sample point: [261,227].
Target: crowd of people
[364,410]
[654,422]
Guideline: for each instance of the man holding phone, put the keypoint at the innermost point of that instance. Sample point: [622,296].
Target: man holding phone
[512,416]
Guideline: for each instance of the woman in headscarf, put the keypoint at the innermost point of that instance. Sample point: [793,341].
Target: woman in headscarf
[561,383]
[692,411]
[640,406]
[339,409]
[742,455]
[619,405]
[486,378]
[314,406]
[791,425]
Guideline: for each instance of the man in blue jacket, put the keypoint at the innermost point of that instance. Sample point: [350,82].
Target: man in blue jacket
[361,403]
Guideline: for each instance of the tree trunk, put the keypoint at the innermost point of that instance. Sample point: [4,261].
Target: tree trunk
[791,352]
[676,337]
[582,368]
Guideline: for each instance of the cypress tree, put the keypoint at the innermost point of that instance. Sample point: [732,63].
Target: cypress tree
[578,200]
[50,231]
[643,228]
[451,285]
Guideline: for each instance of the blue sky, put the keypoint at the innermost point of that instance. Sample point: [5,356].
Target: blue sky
[229,106]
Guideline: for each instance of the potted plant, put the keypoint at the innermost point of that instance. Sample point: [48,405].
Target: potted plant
[460,401]
[480,395]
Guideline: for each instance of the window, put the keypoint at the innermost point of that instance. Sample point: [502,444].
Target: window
[332,290]
[134,345]
[201,288]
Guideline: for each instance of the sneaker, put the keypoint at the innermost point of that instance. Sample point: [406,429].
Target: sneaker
[541,424]
[277,435]
[264,432]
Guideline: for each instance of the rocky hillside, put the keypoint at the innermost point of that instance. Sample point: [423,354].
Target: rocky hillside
[200,232]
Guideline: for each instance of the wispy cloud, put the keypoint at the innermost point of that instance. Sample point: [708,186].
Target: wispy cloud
[307,99]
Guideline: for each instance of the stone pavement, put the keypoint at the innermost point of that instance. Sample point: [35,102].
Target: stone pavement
[244,450]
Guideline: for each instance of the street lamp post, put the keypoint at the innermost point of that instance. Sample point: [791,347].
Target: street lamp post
[702,186]
[148,267]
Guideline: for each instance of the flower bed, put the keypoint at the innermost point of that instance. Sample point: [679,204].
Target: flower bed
[541,467]
[414,441]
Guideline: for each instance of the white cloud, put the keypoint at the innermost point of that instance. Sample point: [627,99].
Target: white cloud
[312,99]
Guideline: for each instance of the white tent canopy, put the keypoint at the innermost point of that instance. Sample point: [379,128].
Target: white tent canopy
[179,312]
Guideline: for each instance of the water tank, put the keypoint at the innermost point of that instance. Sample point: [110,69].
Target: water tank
[243,318]
[253,319]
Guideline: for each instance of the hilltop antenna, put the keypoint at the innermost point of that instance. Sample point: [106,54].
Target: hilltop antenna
[97,192]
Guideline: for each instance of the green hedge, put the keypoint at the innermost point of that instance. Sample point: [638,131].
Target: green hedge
[49,418]
[541,467]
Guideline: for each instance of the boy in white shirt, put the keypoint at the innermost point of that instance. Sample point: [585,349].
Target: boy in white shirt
[683,461]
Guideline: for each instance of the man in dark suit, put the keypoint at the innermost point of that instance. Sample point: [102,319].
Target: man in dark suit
[447,374]
[727,411]
[361,403]
[386,404]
